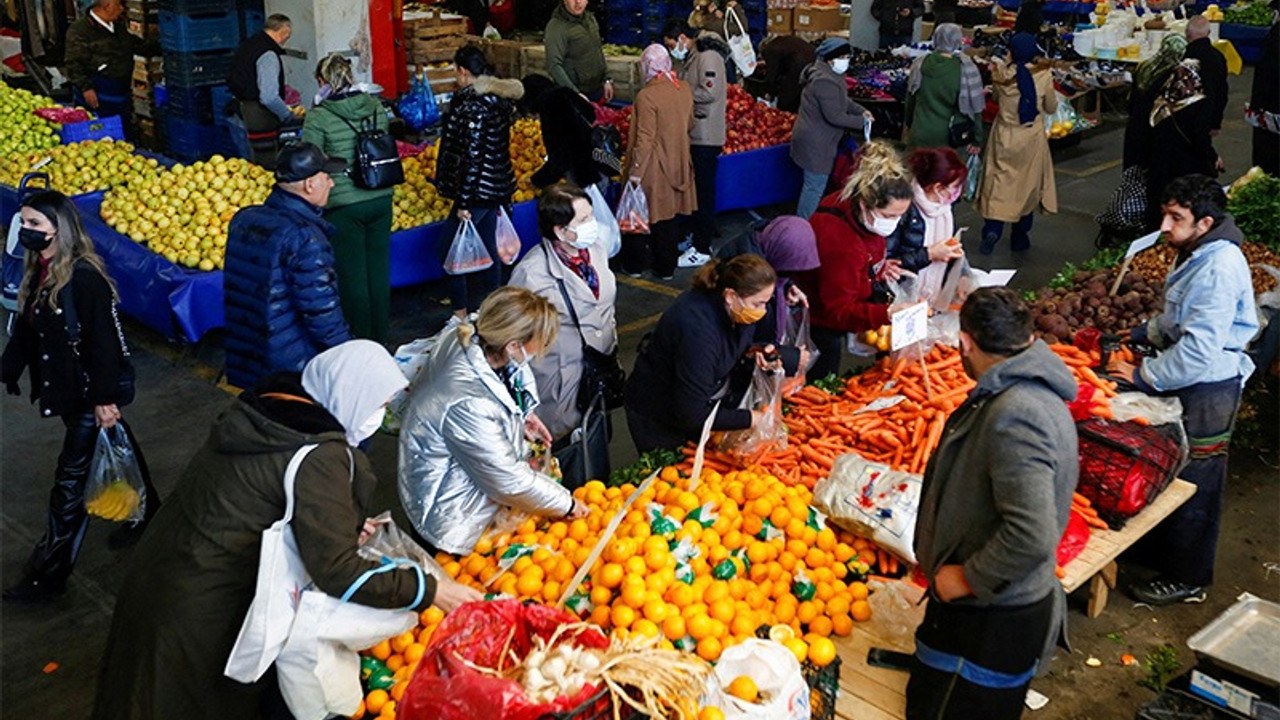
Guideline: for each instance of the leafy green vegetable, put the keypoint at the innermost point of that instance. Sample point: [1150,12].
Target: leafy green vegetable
[1064,277]
[1029,295]
[646,464]
[1116,637]
[1104,259]
[833,384]
[1160,664]
[1254,13]
[1256,208]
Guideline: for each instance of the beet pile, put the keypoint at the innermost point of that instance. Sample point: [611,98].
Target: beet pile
[1060,312]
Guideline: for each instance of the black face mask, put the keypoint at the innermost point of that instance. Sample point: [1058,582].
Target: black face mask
[34,240]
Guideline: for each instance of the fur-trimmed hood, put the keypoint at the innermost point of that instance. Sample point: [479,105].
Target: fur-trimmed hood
[511,90]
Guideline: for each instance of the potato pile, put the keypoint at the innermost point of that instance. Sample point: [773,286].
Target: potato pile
[1060,312]
[1155,263]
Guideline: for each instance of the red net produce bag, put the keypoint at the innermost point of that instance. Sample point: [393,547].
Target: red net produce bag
[445,688]
[1124,466]
[1073,539]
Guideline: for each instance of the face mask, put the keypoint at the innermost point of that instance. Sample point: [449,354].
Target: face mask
[744,315]
[882,226]
[586,234]
[34,240]
[954,195]
[840,65]
[370,426]
[324,92]
[514,367]
[681,52]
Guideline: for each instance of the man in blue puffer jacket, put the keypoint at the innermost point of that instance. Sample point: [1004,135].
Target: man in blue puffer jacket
[280,288]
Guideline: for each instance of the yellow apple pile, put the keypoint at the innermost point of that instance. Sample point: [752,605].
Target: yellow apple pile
[415,201]
[183,213]
[82,167]
[527,156]
[24,132]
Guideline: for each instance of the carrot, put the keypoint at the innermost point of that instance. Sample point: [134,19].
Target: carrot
[1078,499]
[1060,572]
[816,457]
[1096,522]
[1141,420]
[1102,411]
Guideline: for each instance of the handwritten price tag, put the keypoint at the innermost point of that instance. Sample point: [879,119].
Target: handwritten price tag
[910,325]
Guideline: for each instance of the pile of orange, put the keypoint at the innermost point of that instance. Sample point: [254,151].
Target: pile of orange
[527,156]
[401,655]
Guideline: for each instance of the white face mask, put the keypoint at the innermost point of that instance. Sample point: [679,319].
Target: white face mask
[840,65]
[518,366]
[370,426]
[585,235]
[323,94]
[681,52]
[880,225]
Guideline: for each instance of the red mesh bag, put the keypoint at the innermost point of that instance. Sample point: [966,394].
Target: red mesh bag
[1124,466]
[444,688]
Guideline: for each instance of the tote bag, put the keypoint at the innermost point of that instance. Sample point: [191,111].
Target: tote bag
[744,56]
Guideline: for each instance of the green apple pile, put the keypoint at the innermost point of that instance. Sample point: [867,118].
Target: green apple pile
[183,213]
[23,131]
[82,167]
[415,201]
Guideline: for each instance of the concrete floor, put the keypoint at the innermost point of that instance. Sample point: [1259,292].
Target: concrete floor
[178,401]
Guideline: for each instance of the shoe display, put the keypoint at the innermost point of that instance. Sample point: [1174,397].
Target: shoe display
[1167,592]
[692,258]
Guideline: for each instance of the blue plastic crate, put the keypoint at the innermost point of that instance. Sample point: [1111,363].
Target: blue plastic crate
[197,68]
[107,127]
[220,96]
[205,31]
[251,22]
[629,36]
[189,141]
[195,6]
[200,104]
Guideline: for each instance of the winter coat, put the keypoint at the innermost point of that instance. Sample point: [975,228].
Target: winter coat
[707,20]
[785,58]
[191,579]
[463,451]
[997,491]
[1213,76]
[889,14]
[840,291]
[705,75]
[658,148]
[575,57]
[906,244]
[1209,317]
[1137,130]
[696,355]
[474,167]
[327,127]
[1181,144]
[930,110]
[826,113]
[566,133]
[280,289]
[40,343]
[1017,171]
[559,371]
[89,47]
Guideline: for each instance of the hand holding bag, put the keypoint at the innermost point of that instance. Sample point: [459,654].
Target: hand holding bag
[744,56]
[633,210]
[467,253]
[507,239]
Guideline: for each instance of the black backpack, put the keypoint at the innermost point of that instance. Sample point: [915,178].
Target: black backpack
[377,162]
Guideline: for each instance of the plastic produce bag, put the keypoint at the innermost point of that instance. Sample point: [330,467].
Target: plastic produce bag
[115,490]
[410,358]
[797,335]
[633,210]
[484,634]
[872,500]
[418,107]
[467,254]
[974,182]
[507,239]
[776,672]
[610,235]
[1074,538]
[765,394]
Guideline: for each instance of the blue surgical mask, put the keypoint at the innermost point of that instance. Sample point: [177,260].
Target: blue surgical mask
[681,52]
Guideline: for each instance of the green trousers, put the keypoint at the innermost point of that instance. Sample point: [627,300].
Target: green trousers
[362,256]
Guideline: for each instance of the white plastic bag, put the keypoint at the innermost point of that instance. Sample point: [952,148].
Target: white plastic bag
[467,253]
[410,358]
[744,56]
[610,235]
[633,210]
[765,395]
[507,239]
[872,500]
[776,673]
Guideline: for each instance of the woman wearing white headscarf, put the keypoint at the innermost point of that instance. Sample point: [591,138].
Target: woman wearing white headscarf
[192,577]
[944,95]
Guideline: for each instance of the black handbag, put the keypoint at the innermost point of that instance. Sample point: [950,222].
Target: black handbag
[601,374]
[583,454]
[961,132]
[377,162]
[126,384]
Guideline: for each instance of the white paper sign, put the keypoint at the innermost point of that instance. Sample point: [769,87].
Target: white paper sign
[909,325]
[992,278]
[1142,243]
[881,403]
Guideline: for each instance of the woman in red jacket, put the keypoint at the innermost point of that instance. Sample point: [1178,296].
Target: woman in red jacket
[851,227]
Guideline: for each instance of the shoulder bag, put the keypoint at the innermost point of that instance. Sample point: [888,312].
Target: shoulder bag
[601,374]
[126,384]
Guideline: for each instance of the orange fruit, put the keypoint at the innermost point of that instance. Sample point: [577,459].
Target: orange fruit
[397,690]
[634,595]
[858,591]
[360,710]
[645,627]
[611,575]
[798,647]
[821,625]
[388,711]
[860,610]
[722,610]
[838,605]
[528,585]
[431,616]
[601,616]
[822,651]
[681,595]
[806,612]
[711,713]
[374,701]
[744,688]
[622,616]
[413,653]
[601,595]
[699,627]
[381,651]
[402,641]
[709,649]
[841,625]
[395,662]
[674,627]
[742,625]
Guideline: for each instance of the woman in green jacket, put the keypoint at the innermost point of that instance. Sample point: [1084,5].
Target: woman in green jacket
[944,90]
[362,245]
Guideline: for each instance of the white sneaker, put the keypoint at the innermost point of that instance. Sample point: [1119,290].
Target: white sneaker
[692,258]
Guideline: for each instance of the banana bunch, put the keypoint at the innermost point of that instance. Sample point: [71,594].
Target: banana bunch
[116,502]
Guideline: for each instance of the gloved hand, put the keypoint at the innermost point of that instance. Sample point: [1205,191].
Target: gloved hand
[13,388]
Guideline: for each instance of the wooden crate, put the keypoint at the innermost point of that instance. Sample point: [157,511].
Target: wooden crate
[433,25]
[535,60]
[437,49]
[148,70]
[506,57]
[627,77]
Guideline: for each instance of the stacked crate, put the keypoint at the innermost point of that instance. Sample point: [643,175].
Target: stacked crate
[148,72]
[199,38]
[625,21]
[431,40]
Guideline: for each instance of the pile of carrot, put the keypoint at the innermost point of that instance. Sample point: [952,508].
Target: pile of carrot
[1082,505]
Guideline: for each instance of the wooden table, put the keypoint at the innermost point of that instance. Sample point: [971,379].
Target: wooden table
[869,693]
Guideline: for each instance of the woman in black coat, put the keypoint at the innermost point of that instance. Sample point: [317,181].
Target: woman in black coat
[1181,133]
[65,294]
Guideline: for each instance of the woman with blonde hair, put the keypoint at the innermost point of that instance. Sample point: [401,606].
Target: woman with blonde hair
[846,292]
[464,443]
[362,244]
[67,336]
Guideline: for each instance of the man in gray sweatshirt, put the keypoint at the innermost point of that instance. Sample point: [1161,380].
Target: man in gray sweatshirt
[994,504]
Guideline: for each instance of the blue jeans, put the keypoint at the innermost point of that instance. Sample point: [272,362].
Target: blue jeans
[1020,239]
[815,184]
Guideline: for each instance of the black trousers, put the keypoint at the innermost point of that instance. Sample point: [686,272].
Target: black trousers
[55,554]
[662,243]
[706,159]
[651,435]
[830,344]
[1006,640]
[264,132]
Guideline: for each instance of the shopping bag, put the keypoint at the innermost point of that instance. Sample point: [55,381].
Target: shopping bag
[610,235]
[633,210]
[467,253]
[115,490]
[410,358]
[765,394]
[744,56]
[797,335]
[872,500]
[507,239]
[1127,208]
[974,181]
[1073,540]
[418,107]
[446,685]
[281,580]
[784,694]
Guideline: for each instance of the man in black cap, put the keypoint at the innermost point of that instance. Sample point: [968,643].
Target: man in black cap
[280,288]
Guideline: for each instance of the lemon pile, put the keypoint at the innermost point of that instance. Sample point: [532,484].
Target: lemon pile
[415,201]
[116,502]
[82,167]
[527,156]
[24,132]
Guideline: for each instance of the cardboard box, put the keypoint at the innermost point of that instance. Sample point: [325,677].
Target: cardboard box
[435,50]
[819,19]
[781,21]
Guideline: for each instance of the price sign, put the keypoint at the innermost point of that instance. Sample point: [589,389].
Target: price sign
[909,325]
[1142,243]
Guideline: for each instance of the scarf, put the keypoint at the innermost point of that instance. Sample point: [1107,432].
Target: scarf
[788,244]
[1023,50]
[948,40]
[352,381]
[580,264]
[1182,89]
[1172,49]
[939,226]
[655,61]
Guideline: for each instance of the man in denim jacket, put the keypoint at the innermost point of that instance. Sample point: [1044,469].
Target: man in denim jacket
[1209,318]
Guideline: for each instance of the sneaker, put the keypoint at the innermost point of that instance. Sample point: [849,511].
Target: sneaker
[692,258]
[670,276]
[34,591]
[1167,592]
[633,273]
[989,243]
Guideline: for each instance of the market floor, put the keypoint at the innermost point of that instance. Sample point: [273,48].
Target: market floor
[178,400]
